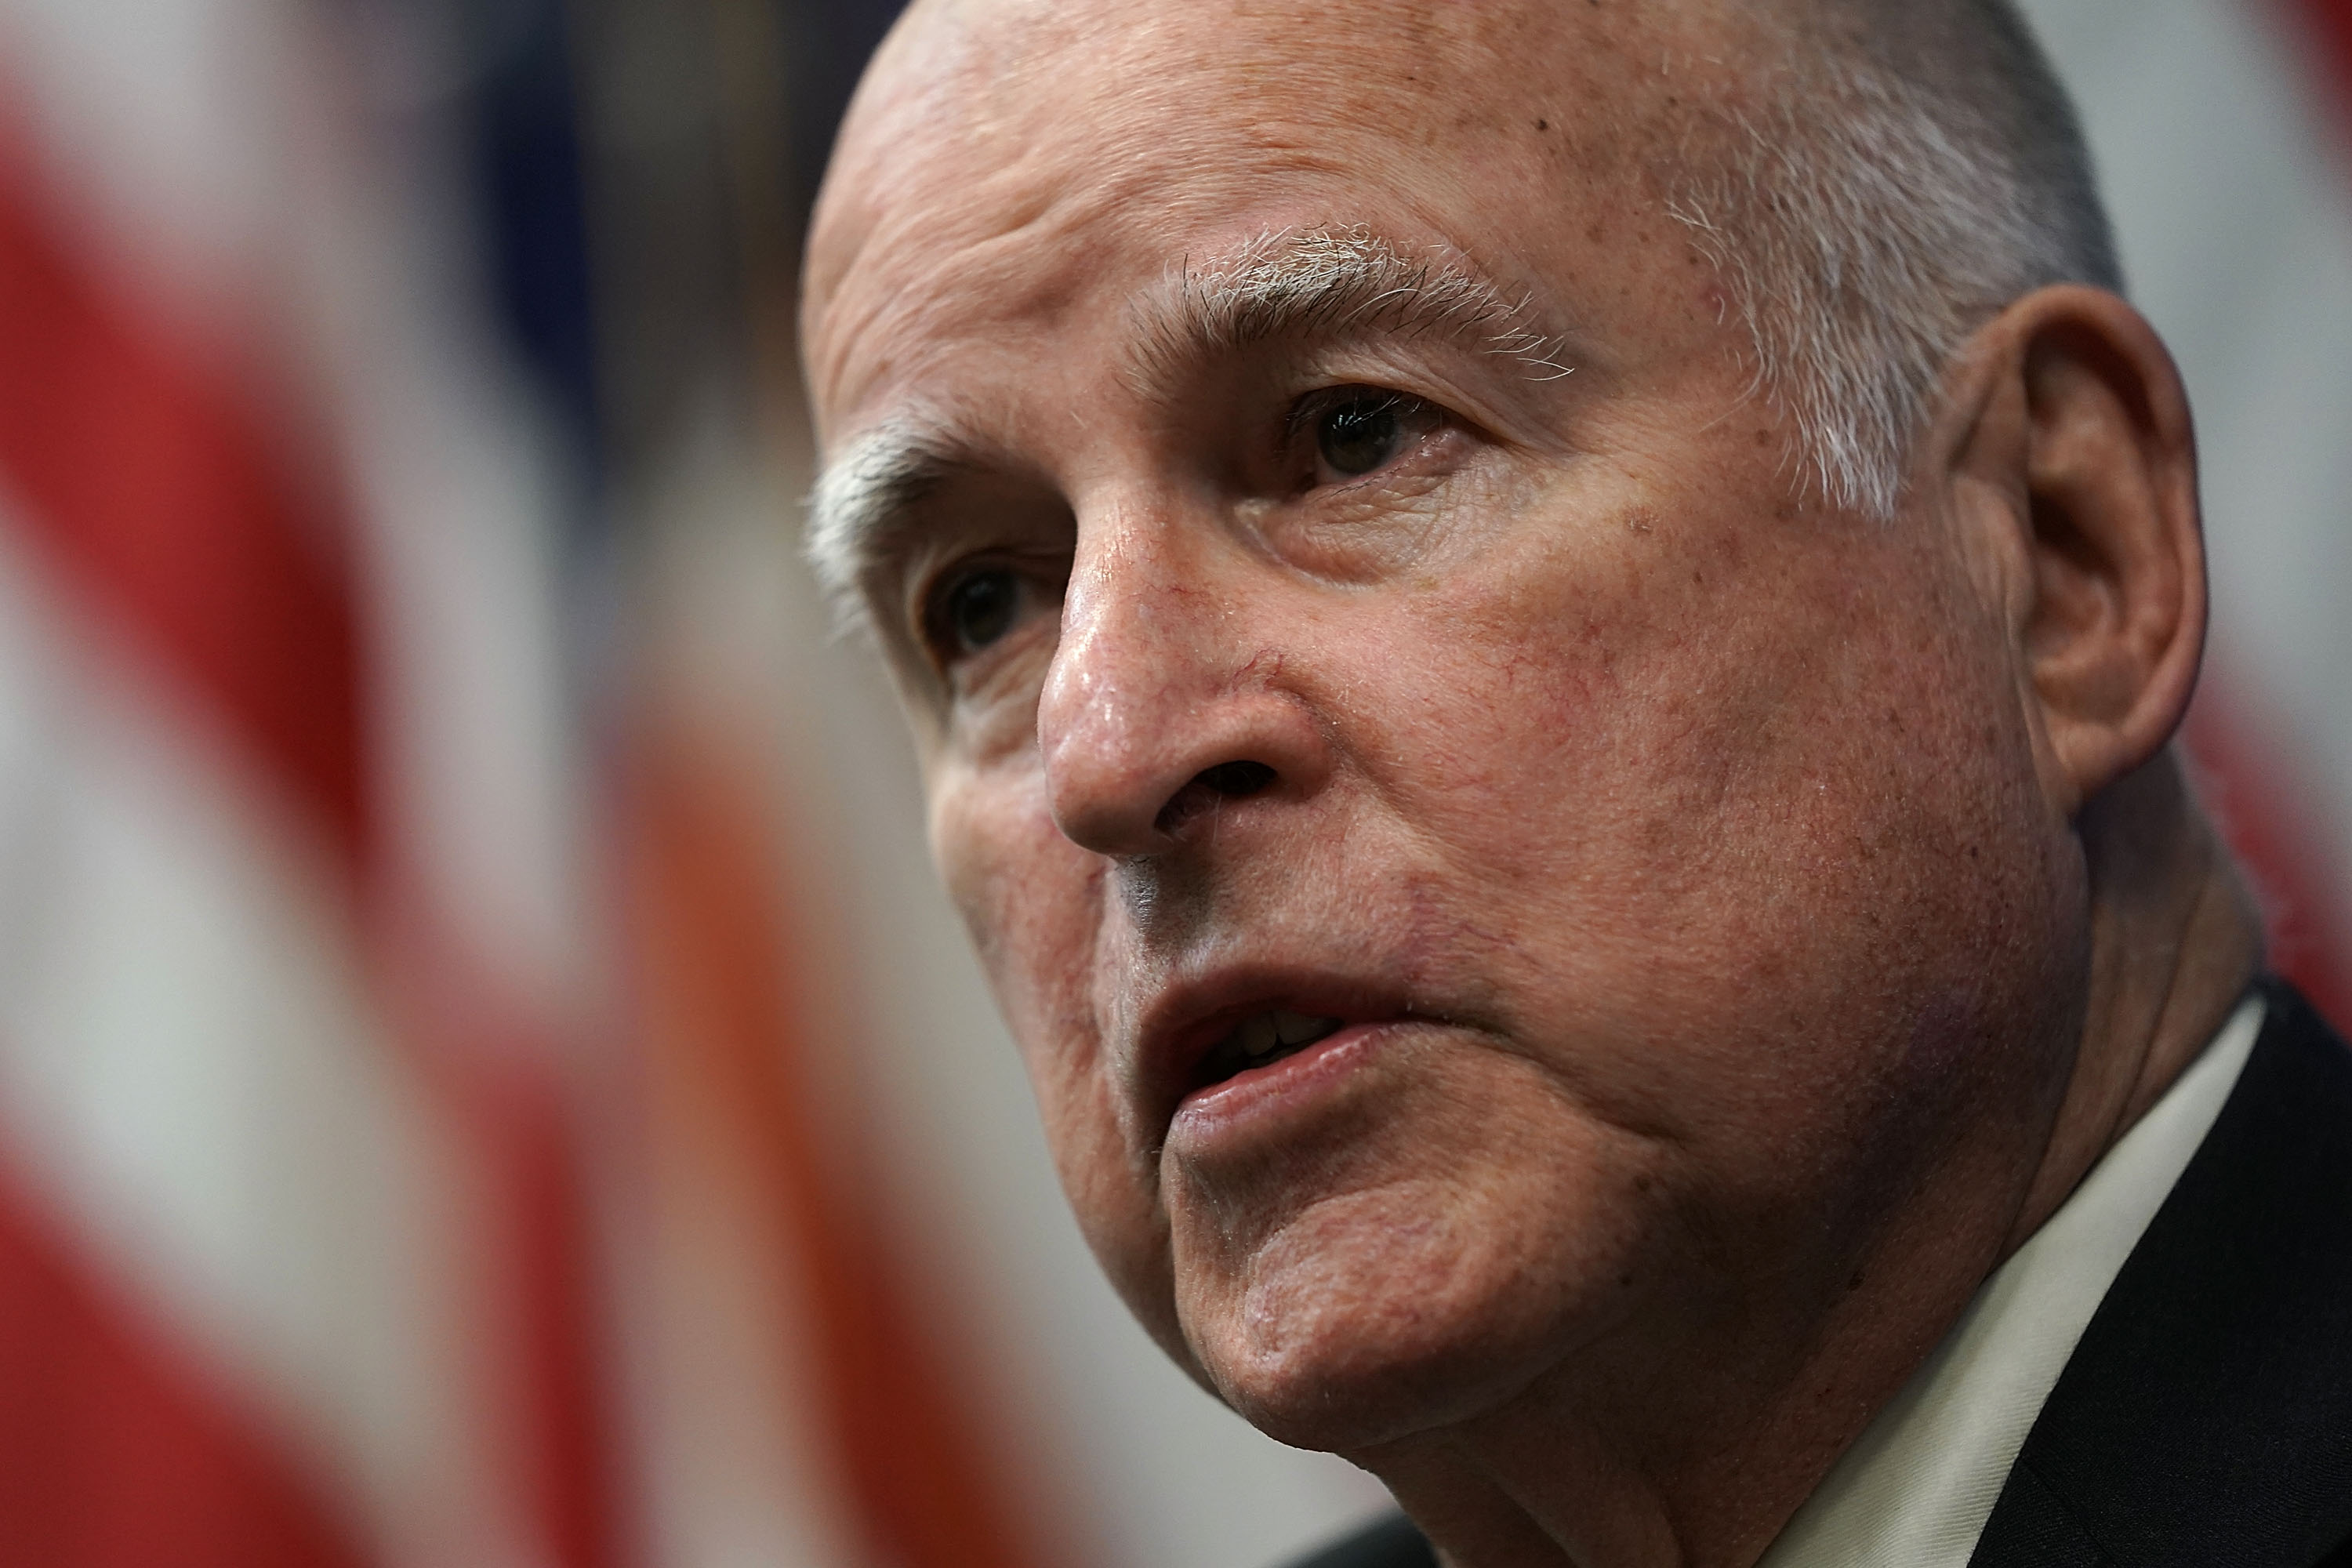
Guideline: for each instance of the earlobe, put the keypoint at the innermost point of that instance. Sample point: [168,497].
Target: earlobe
[2087,420]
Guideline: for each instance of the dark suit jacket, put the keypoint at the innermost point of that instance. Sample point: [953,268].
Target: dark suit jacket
[2205,1420]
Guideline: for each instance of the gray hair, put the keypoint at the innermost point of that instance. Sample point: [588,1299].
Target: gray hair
[1912,167]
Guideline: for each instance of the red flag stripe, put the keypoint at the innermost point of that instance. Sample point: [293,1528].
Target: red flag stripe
[554,1408]
[167,507]
[711,934]
[2331,28]
[574,1478]
[116,1454]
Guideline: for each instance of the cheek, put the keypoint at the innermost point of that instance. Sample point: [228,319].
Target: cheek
[1032,900]
[1634,720]
[1028,896]
[1666,777]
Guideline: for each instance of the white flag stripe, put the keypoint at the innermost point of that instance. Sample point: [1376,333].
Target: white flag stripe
[168,126]
[456,506]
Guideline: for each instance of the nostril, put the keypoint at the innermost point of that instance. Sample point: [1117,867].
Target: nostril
[1236,780]
[1226,781]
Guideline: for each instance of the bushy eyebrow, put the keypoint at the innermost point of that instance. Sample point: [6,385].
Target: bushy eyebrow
[861,507]
[1307,284]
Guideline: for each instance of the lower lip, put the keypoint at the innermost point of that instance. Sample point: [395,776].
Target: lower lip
[1291,1087]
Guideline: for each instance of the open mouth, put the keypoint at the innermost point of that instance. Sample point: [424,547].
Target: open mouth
[1259,1040]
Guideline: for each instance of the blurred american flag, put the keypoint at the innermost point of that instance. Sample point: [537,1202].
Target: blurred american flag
[296,1255]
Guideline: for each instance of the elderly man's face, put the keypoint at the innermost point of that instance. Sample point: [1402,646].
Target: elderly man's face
[1485,879]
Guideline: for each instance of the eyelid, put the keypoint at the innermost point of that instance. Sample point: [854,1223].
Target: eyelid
[983,507]
[1323,399]
[929,603]
[1034,571]
[1426,419]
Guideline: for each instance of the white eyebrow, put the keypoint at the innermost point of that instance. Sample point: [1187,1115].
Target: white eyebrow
[858,502]
[1325,282]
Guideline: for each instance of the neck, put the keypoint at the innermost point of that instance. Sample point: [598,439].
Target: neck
[1699,1455]
[2175,939]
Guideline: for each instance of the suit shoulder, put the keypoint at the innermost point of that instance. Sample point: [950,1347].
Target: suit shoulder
[2206,1414]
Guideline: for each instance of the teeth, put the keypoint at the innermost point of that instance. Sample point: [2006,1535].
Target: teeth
[1267,1037]
[1261,1036]
[1296,1029]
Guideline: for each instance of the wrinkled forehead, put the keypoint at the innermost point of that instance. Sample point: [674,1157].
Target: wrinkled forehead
[999,150]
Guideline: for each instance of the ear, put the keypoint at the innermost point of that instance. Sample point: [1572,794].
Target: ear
[2074,445]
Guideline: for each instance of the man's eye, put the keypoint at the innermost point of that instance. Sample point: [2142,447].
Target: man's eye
[979,609]
[1356,431]
[1359,436]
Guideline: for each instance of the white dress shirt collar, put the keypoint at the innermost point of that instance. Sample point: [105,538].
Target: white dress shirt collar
[1919,1485]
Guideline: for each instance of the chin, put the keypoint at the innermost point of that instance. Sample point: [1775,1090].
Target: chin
[1376,1316]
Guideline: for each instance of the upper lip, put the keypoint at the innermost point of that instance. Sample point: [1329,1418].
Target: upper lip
[1186,1019]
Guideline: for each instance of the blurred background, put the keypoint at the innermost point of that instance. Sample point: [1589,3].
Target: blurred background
[485,1078]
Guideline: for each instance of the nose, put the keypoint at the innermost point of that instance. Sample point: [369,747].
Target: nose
[1167,694]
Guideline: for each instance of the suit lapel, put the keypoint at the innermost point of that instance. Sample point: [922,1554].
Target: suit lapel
[2206,1416]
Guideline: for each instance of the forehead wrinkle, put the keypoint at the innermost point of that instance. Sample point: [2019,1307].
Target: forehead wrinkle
[860,510]
[1325,283]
